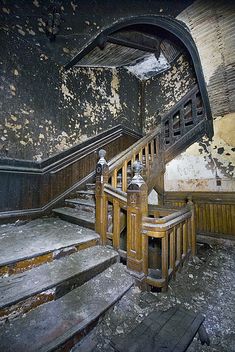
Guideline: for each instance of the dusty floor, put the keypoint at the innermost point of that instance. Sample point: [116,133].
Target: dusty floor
[206,286]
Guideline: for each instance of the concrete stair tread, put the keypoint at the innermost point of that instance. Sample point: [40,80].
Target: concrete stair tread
[39,237]
[77,266]
[77,216]
[90,185]
[89,192]
[79,201]
[53,324]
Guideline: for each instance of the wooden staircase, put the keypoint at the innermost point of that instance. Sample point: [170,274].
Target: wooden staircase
[56,282]
[58,276]
[80,208]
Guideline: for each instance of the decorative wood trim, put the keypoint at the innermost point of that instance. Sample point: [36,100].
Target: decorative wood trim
[201,197]
[31,189]
[214,211]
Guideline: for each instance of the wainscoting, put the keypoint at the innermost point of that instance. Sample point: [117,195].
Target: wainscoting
[214,211]
[30,189]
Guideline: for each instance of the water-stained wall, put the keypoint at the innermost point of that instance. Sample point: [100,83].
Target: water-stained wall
[44,110]
[163,91]
[100,98]
[210,165]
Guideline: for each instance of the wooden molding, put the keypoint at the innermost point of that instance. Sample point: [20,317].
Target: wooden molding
[31,189]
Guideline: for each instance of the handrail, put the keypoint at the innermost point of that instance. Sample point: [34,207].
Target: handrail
[167,218]
[156,227]
[126,154]
[115,193]
[55,162]
[175,237]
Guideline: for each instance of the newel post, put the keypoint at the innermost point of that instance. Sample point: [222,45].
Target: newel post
[137,207]
[102,175]
[190,204]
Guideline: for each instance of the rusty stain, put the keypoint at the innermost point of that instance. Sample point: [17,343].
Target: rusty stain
[25,306]
[26,264]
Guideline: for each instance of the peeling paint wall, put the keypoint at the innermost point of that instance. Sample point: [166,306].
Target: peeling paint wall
[212,25]
[100,98]
[45,110]
[206,166]
[163,91]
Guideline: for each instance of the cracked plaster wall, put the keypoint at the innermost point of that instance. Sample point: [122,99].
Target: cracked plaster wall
[45,110]
[163,91]
[40,114]
[212,26]
[34,122]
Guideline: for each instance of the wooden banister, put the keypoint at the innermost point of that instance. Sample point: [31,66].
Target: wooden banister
[123,201]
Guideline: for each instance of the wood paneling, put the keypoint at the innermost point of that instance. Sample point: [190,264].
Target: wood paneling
[30,188]
[214,212]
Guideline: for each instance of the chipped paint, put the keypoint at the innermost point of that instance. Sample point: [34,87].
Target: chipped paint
[198,168]
[163,91]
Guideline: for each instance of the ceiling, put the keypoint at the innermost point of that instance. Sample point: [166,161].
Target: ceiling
[140,51]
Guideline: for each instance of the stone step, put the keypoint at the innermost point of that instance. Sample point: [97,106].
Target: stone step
[90,186]
[76,216]
[83,204]
[60,324]
[86,194]
[40,241]
[20,293]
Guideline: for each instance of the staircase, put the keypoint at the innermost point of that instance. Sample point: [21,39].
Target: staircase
[56,281]
[80,208]
[57,274]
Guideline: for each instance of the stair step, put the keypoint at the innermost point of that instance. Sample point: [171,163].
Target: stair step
[81,202]
[90,186]
[21,292]
[59,324]
[40,241]
[76,216]
[86,194]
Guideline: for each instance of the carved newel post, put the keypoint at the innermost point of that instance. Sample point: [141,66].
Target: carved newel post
[190,204]
[102,174]
[137,207]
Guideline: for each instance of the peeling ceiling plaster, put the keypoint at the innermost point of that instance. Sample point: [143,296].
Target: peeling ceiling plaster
[149,66]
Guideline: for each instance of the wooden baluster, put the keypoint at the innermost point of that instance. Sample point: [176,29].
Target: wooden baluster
[152,151]
[178,245]
[114,178]
[147,159]
[124,176]
[165,260]
[189,234]
[172,250]
[140,155]
[137,207]
[185,239]
[116,224]
[145,253]
[129,174]
[119,179]
[102,175]
[193,229]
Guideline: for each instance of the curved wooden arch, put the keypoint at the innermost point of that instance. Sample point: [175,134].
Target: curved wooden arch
[175,28]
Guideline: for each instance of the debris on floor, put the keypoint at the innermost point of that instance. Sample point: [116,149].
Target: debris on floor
[206,286]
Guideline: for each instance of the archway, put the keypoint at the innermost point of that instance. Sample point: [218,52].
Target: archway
[175,29]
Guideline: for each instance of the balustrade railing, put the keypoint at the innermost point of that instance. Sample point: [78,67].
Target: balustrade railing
[125,221]
[173,233]
[123,217]
[147,150]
